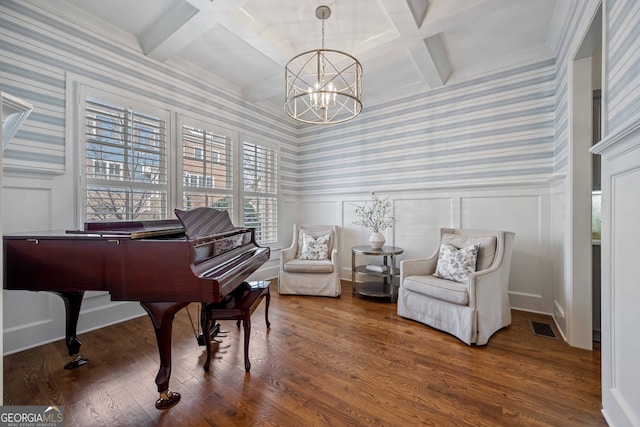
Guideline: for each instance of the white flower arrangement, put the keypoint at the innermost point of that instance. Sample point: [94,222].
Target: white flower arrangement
[375,215]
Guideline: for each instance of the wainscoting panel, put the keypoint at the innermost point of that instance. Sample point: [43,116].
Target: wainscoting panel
[34,318]
[418,223]
[419,216]
[321,212]
[288,214]
[620,291]
[530,284]
[557,254]
[26,308]
[625,294]
[26,208]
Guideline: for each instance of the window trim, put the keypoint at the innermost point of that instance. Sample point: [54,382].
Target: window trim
[74,124]
[85,89]
[249,138]
[184,119]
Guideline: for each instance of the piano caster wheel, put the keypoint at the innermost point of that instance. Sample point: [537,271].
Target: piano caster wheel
[167,399]
[76,362]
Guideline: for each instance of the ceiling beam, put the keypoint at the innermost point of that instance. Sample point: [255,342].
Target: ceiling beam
[418,9]
[438,59]
[429,54]
[183,24]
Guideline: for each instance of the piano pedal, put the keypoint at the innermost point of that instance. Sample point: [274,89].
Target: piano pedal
[215,330]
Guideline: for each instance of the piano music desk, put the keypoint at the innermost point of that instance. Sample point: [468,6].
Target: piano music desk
[240,305]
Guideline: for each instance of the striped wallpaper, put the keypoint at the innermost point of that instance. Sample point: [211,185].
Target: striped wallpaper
[576,22]
[622,103]
[623,64]
[506,127]
[492,130]
[38,49]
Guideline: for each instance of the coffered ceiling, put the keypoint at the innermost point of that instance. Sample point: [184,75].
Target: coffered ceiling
[405,46]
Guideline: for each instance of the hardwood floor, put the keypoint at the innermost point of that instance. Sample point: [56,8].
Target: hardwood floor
[325,361]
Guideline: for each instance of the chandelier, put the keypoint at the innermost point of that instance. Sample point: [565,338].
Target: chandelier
[323,86]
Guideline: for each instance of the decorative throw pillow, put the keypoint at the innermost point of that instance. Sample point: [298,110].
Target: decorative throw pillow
[456,264]
[487,251]
[315,248]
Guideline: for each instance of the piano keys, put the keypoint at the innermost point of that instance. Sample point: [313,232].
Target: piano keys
[163,264]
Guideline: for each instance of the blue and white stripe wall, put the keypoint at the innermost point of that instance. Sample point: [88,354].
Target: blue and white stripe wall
[623,64]
[622,69]
[493,130]
[39,50]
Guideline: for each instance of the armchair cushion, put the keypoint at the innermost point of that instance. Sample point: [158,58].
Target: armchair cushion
[440,289]
[308,266]
[456,264]
[315,248]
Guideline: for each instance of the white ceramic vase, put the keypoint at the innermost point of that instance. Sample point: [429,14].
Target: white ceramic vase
[376,240]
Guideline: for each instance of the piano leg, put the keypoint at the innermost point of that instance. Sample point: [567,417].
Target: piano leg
[246,325]
[206,322]
[162,314]
[72,302]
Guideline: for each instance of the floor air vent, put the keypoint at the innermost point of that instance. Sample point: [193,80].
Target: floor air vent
[542,329]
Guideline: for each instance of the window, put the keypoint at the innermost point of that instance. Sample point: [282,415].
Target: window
[125,162]
[260,184]
[132,168]
[206,167]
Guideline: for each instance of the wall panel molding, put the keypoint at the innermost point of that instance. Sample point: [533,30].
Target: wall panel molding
[620,153]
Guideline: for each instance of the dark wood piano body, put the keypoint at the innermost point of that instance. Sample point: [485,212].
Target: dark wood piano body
[161,264]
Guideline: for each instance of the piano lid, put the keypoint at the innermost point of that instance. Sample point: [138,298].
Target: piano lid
[132,229]
[202,222]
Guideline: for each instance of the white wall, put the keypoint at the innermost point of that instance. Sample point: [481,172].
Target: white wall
[524,210]
[33,318]
[620,284]
[620,156]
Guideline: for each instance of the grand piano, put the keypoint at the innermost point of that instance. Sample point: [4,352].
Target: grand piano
[163,264]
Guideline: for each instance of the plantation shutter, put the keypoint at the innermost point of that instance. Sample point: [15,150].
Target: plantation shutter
[260,178]
[126,163]
[207,172]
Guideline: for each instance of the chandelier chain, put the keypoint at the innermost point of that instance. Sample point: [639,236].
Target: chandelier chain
[323,34]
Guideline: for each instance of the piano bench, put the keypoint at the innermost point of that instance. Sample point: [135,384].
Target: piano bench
[239,305]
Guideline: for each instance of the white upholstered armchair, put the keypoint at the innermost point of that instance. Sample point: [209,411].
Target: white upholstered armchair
[469,305]
[310,265]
